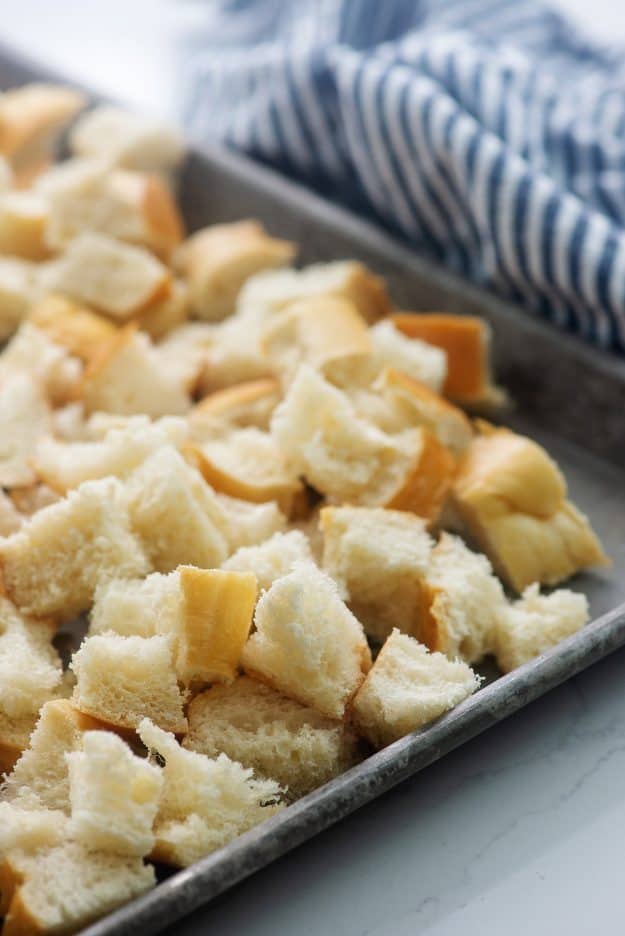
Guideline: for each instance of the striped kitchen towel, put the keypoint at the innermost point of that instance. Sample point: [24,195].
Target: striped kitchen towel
[486,132]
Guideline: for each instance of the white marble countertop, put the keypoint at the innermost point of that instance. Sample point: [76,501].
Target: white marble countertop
[519,831]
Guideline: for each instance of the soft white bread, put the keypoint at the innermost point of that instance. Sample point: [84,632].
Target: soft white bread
[29,500]
[271,559]
[10,517]
[127,377]
[379,559]
[25,417]
[40,778]
[243,405]
[271,734]
[125,139]
[120,680]
[465,339]
[85,195]
[167,315]
[205,802]
[307,643]
[183,352]
[235,355]
[249,465]
[217,261]
[207,612]
[176,514]
[118,279]
[535,623]
[23,221]
[462,602]
[65,465]
[272,291]
[421,361]
[511,498]
[406,688]
[325,331]
[32,352]
[350,460]
[29,829]
[53,564]
[32,119]
[17,293]
[114,796]
[72,326]
[248,524]
[60,890]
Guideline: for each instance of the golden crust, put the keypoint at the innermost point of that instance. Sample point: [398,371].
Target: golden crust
[29,115]
[243,404]
[163,224]
[428,483]
[83,332]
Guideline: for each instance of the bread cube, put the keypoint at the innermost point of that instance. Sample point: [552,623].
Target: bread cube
[244,405]
[23,220]
[72,326]
[122,138]
[17,293]
[416,359]
[205,802]
[408,687]
[50,365]
[272,559]
[247,524]
[167,315]
[307,644]
[29,830]
[25,417]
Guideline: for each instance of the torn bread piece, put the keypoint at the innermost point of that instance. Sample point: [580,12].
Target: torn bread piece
[271,559]
[465,339]
[29,830]
[379,560]
[62,889]
[244,405]
[272,734]
[31,351]
[18,289]
[272,291]
[10,517]
[40,778]
[118,279]
[307,643]
[167,315]
[125,139]
[53,564]
[234,355]
[127,378]
[113,794]
[420,361]
[217,261]
[536,623]
[23,221]
[183,353]
[207,612]
[406,688]
[510,497]
[120,680]
[29,500]
[73,326]
[176,514]
[25,417]
[247,464]
[205,802]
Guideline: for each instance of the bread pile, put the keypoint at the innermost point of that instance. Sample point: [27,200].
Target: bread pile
[248,481]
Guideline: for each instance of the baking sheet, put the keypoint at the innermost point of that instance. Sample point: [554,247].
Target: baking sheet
[569,397]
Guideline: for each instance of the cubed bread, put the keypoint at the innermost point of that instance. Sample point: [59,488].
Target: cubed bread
[65,465]
[243,405]
[53,564]
[465,339]
[348,279]
[32,119]
[118,279]
[127,377]
[248,524]
[416,359]
[205,802]
[23,221]
[120,680]
[326,331]
[234,355]
[25,417]
[176,514]
[40,778]
[379,559]
[462,602]
[125,139]
[73,326]
[29,830]
[114,796]
[408,687]
[217,260]
[31,351]
[10,517]
[62,889]
[536,623]
[167,315]
[510,497]
[415,404]
[350,460]
[17,293]
[249,465]
[270,733]
[307,643]
[271,559]
[142,607]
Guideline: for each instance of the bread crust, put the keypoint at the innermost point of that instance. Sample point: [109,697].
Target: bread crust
[428,483]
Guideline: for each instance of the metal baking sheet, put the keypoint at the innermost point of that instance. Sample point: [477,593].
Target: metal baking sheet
[568,396]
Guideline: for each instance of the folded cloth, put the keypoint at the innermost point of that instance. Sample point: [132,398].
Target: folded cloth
[486,132]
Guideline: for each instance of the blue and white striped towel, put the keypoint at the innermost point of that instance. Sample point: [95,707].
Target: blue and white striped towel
[486,132]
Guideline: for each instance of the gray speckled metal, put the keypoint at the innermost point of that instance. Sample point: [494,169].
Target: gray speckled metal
[567,395]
